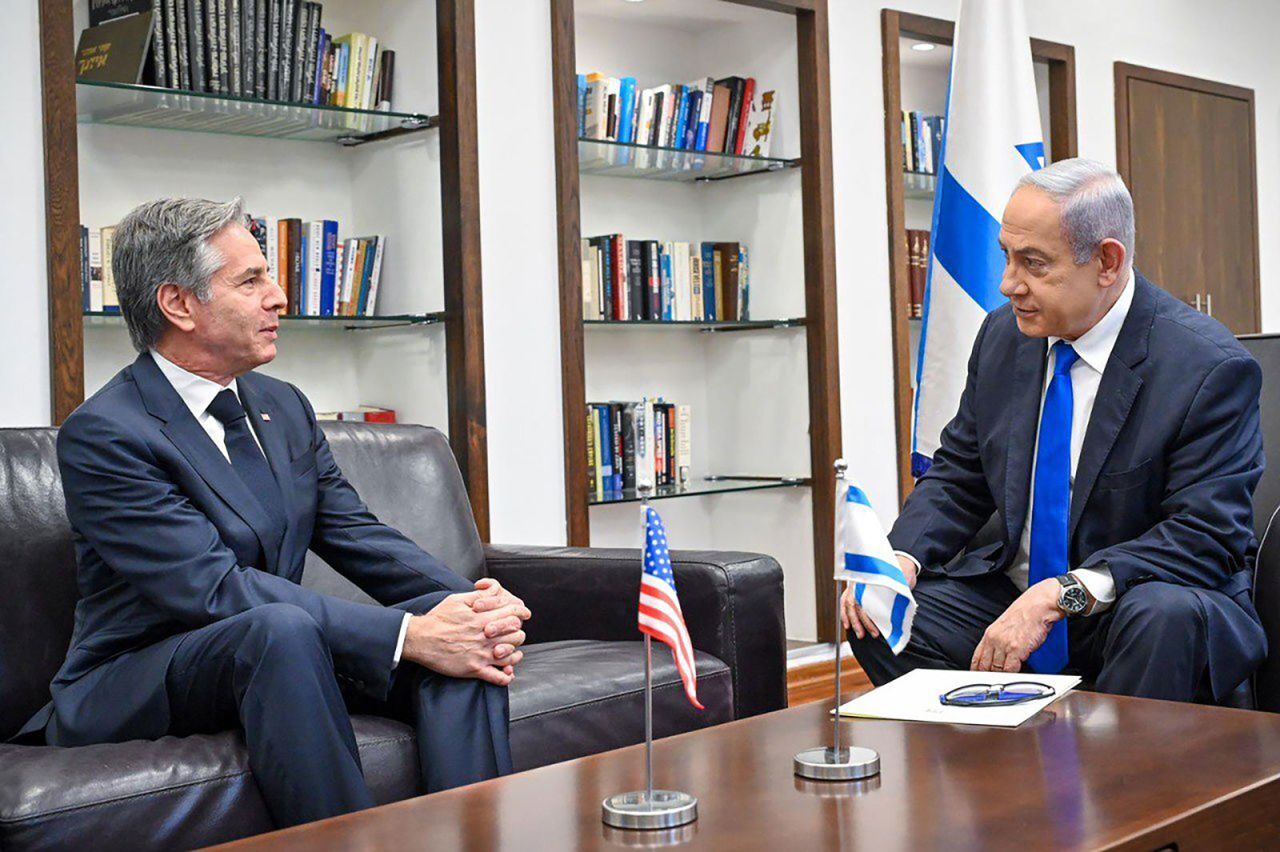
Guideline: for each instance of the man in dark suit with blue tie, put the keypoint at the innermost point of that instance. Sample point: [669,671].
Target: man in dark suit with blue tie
[195,487]
[1110,435]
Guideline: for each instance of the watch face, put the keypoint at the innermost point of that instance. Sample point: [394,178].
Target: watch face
[1074,600]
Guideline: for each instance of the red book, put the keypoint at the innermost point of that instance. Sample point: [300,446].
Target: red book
[748,92]
[617,245]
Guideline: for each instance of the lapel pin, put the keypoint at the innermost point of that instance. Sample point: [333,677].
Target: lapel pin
[266,416]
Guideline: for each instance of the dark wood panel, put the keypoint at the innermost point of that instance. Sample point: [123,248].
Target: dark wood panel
[1091,772]
[61,209]
[1186,149]
[820,299]
[564,103]
[460,209]
[1060,59]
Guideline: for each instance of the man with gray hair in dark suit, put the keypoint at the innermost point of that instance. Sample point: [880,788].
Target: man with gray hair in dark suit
[1109,434]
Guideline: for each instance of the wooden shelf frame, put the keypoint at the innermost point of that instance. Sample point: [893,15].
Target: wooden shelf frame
[819,274]
[1061,59]
[460,244]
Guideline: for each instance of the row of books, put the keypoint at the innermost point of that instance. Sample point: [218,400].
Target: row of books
[673,281]
[611,449]
[321,275]
[273,50]
[922,142]
[729,116]
[917,270]
[362,414]
[97,282]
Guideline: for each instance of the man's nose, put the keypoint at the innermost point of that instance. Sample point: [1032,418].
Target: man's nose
[276,299]
[1010,284]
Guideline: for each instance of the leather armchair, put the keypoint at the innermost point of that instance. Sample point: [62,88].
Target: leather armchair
[579,690]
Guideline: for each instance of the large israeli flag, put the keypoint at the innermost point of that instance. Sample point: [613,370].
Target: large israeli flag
[992,137]
[865,558]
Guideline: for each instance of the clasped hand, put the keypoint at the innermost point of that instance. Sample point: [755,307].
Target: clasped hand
[471,634]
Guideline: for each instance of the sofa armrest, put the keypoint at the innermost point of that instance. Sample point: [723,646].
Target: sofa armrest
[732,604]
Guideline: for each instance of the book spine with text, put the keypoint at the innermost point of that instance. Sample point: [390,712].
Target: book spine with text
[328,241]
[195,45]
[233,47]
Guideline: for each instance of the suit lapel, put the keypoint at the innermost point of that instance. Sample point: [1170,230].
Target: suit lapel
[189,437]
[1024,416]
[1116,394]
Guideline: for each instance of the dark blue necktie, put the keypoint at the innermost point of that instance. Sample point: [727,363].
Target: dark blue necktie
[1052,501]
[246,456]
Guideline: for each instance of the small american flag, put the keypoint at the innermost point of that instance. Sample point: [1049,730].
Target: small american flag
[660,615]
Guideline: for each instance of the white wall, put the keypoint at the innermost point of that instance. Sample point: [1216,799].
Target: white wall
[24,322]
[1229,41]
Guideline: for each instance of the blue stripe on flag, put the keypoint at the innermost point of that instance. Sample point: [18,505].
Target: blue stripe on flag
[857,495]
[858,589]
[1033,153]
[870,565]
[900,604]
[966,243]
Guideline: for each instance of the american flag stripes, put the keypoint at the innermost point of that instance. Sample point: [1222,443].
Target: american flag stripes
[660,615]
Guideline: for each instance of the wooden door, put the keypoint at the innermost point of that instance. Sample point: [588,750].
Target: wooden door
[1185,147]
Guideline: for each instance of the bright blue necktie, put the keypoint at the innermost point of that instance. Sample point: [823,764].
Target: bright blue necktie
[1052,500]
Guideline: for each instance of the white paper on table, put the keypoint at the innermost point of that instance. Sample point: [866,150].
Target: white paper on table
[914,698]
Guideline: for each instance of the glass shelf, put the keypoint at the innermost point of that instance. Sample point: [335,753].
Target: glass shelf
[706,485]
[919,185]
[204,112]
[699,325]
[98,318]
[616,159]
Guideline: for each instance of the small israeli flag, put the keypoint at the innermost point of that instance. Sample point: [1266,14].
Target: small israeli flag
[865,558]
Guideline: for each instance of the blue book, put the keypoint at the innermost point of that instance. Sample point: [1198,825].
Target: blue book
[709,281]
[626,109]
[322,48]
[366,274]
[691,125]
[582,105]
[668,292]
[704,127]
[329,269]
[302,275]
[682,118]
[604,444]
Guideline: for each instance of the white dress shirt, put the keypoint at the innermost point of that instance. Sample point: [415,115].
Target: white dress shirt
[1094,348]
[197,393]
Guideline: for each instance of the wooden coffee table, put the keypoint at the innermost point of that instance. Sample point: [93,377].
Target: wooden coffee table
[1091,772]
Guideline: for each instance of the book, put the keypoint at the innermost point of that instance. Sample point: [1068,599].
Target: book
[248,50]
[195,45]
[735,86]
[184,56]
[375,274]
[170,13]
[748,92]
[709,283]
[387,81]
[224,50]
[116,51]
[635,280]
[95,271]
[84,268]
[760,125]
[234,61]
[626,109]
[275,10]
[696,294]
[288,38]
[110,300]
[730,291]
[327,272]
[718,128]
[593,466]
[261,32]
[292,259]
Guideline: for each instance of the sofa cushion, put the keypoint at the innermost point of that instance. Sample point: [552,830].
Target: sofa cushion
[171,793]
[578,697]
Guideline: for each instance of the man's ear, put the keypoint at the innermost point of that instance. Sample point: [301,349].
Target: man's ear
[1111,257]
[175,303]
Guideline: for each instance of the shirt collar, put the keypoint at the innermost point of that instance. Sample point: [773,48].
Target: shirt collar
[196,391]
[1095,345]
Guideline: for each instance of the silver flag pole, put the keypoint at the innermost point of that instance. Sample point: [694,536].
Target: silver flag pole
[836,763]
[648,809]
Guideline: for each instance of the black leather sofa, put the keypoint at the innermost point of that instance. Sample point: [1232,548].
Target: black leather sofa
[578,691]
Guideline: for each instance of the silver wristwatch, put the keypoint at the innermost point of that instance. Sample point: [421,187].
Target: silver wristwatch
[1073,598]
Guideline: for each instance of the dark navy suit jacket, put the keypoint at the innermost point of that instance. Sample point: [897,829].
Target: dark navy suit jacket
[168,539]
[1164,484]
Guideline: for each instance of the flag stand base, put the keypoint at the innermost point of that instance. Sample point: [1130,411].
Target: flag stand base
[636,810]
[847,764]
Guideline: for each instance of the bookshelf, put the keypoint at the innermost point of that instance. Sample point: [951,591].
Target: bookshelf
[764,392]
[410,173]
[917,80]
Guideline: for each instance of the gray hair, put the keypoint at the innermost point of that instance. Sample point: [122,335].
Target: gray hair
[1096,204]
[166,241]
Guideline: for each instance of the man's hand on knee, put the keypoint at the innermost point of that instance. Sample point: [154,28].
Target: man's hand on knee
[1021,629]
[453,639]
